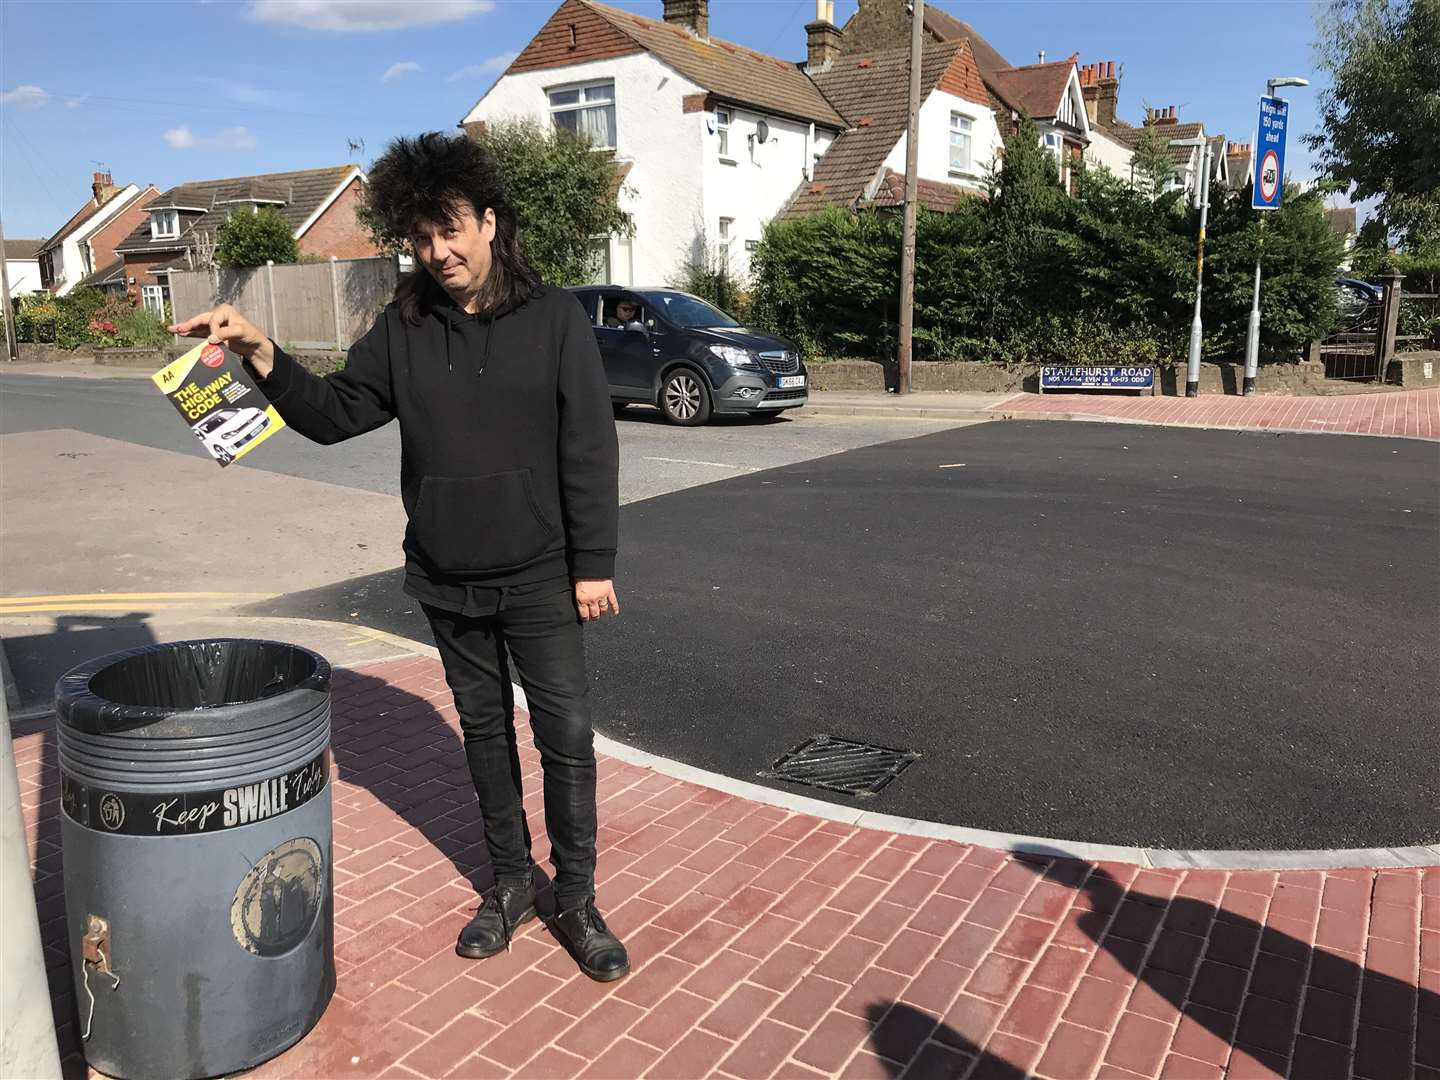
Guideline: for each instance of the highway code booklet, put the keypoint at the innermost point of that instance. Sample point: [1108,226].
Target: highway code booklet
[224,409]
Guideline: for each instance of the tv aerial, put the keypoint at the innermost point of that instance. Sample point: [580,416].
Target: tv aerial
[357,146]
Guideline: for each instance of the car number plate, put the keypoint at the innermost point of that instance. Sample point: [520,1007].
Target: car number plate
[787,381]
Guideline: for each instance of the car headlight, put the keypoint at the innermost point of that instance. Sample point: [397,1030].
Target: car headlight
[736,357]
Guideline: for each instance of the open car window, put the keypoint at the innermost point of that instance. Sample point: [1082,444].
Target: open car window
[610,311]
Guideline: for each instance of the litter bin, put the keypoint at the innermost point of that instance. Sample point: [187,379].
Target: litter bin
[196,827]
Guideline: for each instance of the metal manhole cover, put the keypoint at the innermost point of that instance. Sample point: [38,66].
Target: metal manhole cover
[844,765]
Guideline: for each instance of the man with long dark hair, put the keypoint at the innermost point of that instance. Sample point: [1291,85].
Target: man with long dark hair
[508,473]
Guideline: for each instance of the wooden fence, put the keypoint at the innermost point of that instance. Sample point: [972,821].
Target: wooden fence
[325,305]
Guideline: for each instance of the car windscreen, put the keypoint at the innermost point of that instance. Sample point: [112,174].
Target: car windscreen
[686,311]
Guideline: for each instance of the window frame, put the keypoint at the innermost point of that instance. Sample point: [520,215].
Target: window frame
[160,219]
[968,131]
[146,294]
[722,131]
[582,103]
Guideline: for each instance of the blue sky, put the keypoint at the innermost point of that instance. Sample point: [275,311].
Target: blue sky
[163,92]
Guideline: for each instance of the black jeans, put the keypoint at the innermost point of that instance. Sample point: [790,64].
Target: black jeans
[536,626]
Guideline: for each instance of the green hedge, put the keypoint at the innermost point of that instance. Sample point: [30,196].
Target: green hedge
[87,317]
[1031,275]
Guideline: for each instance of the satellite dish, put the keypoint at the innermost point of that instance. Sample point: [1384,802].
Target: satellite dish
[762,131]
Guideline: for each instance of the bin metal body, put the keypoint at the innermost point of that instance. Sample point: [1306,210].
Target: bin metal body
[196,824]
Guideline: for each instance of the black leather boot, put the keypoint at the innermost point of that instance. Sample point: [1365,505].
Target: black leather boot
[598,952]
[510,905]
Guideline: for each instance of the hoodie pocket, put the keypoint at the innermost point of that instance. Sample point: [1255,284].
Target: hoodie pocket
[478,523]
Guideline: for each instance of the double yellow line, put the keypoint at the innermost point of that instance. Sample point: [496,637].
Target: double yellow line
[124,602]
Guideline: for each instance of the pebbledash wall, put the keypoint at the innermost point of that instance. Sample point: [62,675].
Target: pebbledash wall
[752,182]
[678,187]
[933,162]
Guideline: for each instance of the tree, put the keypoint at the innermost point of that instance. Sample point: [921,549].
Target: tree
[255,239]
[1150,161]
[1380,120]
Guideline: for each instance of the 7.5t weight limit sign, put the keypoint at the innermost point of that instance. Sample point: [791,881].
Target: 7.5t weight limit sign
[1268,177]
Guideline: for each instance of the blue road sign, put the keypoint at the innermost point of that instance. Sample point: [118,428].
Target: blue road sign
[1268,164]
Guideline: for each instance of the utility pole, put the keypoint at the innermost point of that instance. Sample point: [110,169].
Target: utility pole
[1197,329]
[12,351]
[907,252]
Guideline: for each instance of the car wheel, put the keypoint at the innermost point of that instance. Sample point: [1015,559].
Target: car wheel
[684,398]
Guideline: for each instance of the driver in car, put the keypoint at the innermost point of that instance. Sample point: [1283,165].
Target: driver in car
[626,312]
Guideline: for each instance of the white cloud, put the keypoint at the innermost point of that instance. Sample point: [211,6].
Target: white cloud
[76,102]
[399,71]
[233,138]
[365,15]
[492,66]
[25,97]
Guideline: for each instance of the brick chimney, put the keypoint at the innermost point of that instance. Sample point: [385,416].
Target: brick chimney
[694,15]
[102,187]
[822,37]
[1107,94]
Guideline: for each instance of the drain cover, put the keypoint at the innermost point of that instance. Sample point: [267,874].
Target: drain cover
[855,768]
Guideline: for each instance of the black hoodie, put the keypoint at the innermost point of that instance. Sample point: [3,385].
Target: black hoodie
[509,463]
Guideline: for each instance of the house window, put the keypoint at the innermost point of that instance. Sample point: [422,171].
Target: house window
[725,223]
[722,131]
[85,263]
[960,131]
[599,261]
[587,111]
[165,224]
[154,297]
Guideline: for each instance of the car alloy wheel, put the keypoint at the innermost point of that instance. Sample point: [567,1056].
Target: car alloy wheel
[684,399]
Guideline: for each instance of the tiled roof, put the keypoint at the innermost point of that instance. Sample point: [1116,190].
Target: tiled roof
[948,28]
[1036,89]
[1181,155]
[110,274]
[728,71]
[933,194]
[84,214]
[22,249]
[303,193]
[873,91]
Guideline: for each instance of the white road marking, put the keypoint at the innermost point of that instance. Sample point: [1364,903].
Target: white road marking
[711,464]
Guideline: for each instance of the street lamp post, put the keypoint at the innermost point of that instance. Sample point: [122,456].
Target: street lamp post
[1252,335]
[1202,191]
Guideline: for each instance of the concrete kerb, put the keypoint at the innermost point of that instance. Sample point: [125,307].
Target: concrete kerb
[1160,858]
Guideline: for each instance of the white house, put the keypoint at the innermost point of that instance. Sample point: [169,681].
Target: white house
[711,139]
[866,165]
[22,268]
[84,244]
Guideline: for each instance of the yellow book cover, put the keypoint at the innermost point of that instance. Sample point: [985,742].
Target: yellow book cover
[222,406]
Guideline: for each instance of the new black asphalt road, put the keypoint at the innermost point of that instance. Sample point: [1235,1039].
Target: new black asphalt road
[1118,634]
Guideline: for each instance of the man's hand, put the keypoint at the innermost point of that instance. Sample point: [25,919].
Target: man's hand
[226,326]
[594,598]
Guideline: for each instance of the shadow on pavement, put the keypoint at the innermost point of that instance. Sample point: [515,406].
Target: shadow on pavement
[1232,978]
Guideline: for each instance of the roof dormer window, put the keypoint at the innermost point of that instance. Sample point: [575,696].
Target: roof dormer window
[165,224]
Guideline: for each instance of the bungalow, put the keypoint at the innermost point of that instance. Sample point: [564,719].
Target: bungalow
[319,204]
[22,268]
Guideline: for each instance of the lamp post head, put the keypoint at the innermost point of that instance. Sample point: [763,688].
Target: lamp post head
[1286,80]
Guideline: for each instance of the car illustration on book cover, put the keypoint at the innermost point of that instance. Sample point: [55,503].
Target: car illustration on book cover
[210,388]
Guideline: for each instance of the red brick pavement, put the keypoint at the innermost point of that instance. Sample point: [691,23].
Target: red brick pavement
[769,943]
[1404,412]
